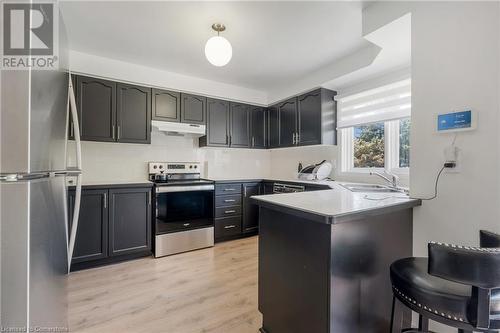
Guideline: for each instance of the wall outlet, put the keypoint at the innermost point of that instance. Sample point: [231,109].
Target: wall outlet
[451,155]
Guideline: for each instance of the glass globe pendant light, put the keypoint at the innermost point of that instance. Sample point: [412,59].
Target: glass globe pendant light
[218,50]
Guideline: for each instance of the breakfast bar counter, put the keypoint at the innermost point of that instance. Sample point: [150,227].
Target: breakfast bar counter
[324,259]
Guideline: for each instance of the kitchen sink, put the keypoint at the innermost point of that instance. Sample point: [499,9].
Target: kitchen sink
[371,188]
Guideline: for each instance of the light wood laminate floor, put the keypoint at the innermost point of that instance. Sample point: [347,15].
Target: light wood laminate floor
[209,290]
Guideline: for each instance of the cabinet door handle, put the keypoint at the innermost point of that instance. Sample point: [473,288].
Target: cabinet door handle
[230,140]
[229,200]
[149,198]
[293,138]
[113,131]
[297,138]
[229,226]
[118,138]
[253,141]
[105,200]
[229,189]
[229,211]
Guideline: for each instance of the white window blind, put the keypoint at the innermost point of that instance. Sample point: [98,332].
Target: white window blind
[388,102]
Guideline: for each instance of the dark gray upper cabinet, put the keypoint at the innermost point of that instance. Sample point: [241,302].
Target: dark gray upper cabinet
[308,119]
[71,132]
[316,118]
[193,109]
[258,127]
[129,220]
[250,210]
[133,114]
[110,111]
[273,127]
[217,124]
[166,105]
[96,104]
[91,241]
[287,112]
[239,131]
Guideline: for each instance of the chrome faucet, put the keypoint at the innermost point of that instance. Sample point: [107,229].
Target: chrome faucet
[393,180]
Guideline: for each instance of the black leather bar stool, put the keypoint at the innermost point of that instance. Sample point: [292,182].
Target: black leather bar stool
[458,286]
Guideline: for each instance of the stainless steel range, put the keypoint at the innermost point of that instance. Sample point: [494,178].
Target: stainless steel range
[183,208]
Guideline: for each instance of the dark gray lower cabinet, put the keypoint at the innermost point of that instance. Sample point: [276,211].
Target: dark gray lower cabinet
[92,235]
[235,214]
[114,225]
[227,227]
[268,187]
[250,210]
[129,220]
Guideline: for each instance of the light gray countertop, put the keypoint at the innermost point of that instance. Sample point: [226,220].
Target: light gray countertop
[338,203]
[110,183]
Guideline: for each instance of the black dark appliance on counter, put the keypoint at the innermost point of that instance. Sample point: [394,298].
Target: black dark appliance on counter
[183,208]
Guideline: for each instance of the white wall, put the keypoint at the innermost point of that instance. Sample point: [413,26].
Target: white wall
[92,65]
[455,65]
[105,162]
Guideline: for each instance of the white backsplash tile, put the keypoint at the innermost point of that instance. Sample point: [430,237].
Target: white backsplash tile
[128,162]
[285,161]
[103,161]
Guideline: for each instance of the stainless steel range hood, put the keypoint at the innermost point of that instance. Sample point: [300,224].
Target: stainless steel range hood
[172,128]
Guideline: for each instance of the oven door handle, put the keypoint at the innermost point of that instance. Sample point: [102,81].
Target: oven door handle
[169,189]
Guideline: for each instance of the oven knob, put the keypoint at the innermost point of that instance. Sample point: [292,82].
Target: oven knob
[190,167]
[161,167]
[195,166]
[154,166]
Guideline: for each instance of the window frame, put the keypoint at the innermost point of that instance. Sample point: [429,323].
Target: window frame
[391,150]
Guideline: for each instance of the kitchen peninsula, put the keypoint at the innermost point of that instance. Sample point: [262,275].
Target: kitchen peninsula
[324,259]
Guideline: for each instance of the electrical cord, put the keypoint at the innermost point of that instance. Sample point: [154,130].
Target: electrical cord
[435,186]
[446,165]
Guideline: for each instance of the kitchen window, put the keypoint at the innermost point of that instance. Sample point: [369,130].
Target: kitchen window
[375,128]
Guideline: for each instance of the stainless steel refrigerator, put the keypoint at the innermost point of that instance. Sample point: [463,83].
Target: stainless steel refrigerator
[35,237]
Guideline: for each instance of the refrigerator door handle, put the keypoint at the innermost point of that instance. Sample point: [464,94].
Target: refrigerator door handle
[74,223]
[78,193]
[14,177]
[76,126]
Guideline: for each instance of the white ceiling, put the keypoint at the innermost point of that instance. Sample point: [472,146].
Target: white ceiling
[394,40]
[274,43]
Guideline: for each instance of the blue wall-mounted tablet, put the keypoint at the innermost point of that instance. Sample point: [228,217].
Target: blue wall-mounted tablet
[456,121]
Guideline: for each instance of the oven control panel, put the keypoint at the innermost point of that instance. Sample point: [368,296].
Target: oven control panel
[174,167]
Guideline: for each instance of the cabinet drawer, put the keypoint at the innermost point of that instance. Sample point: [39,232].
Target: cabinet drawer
[229,226]
[228,200]
[227,211]
[222,189]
